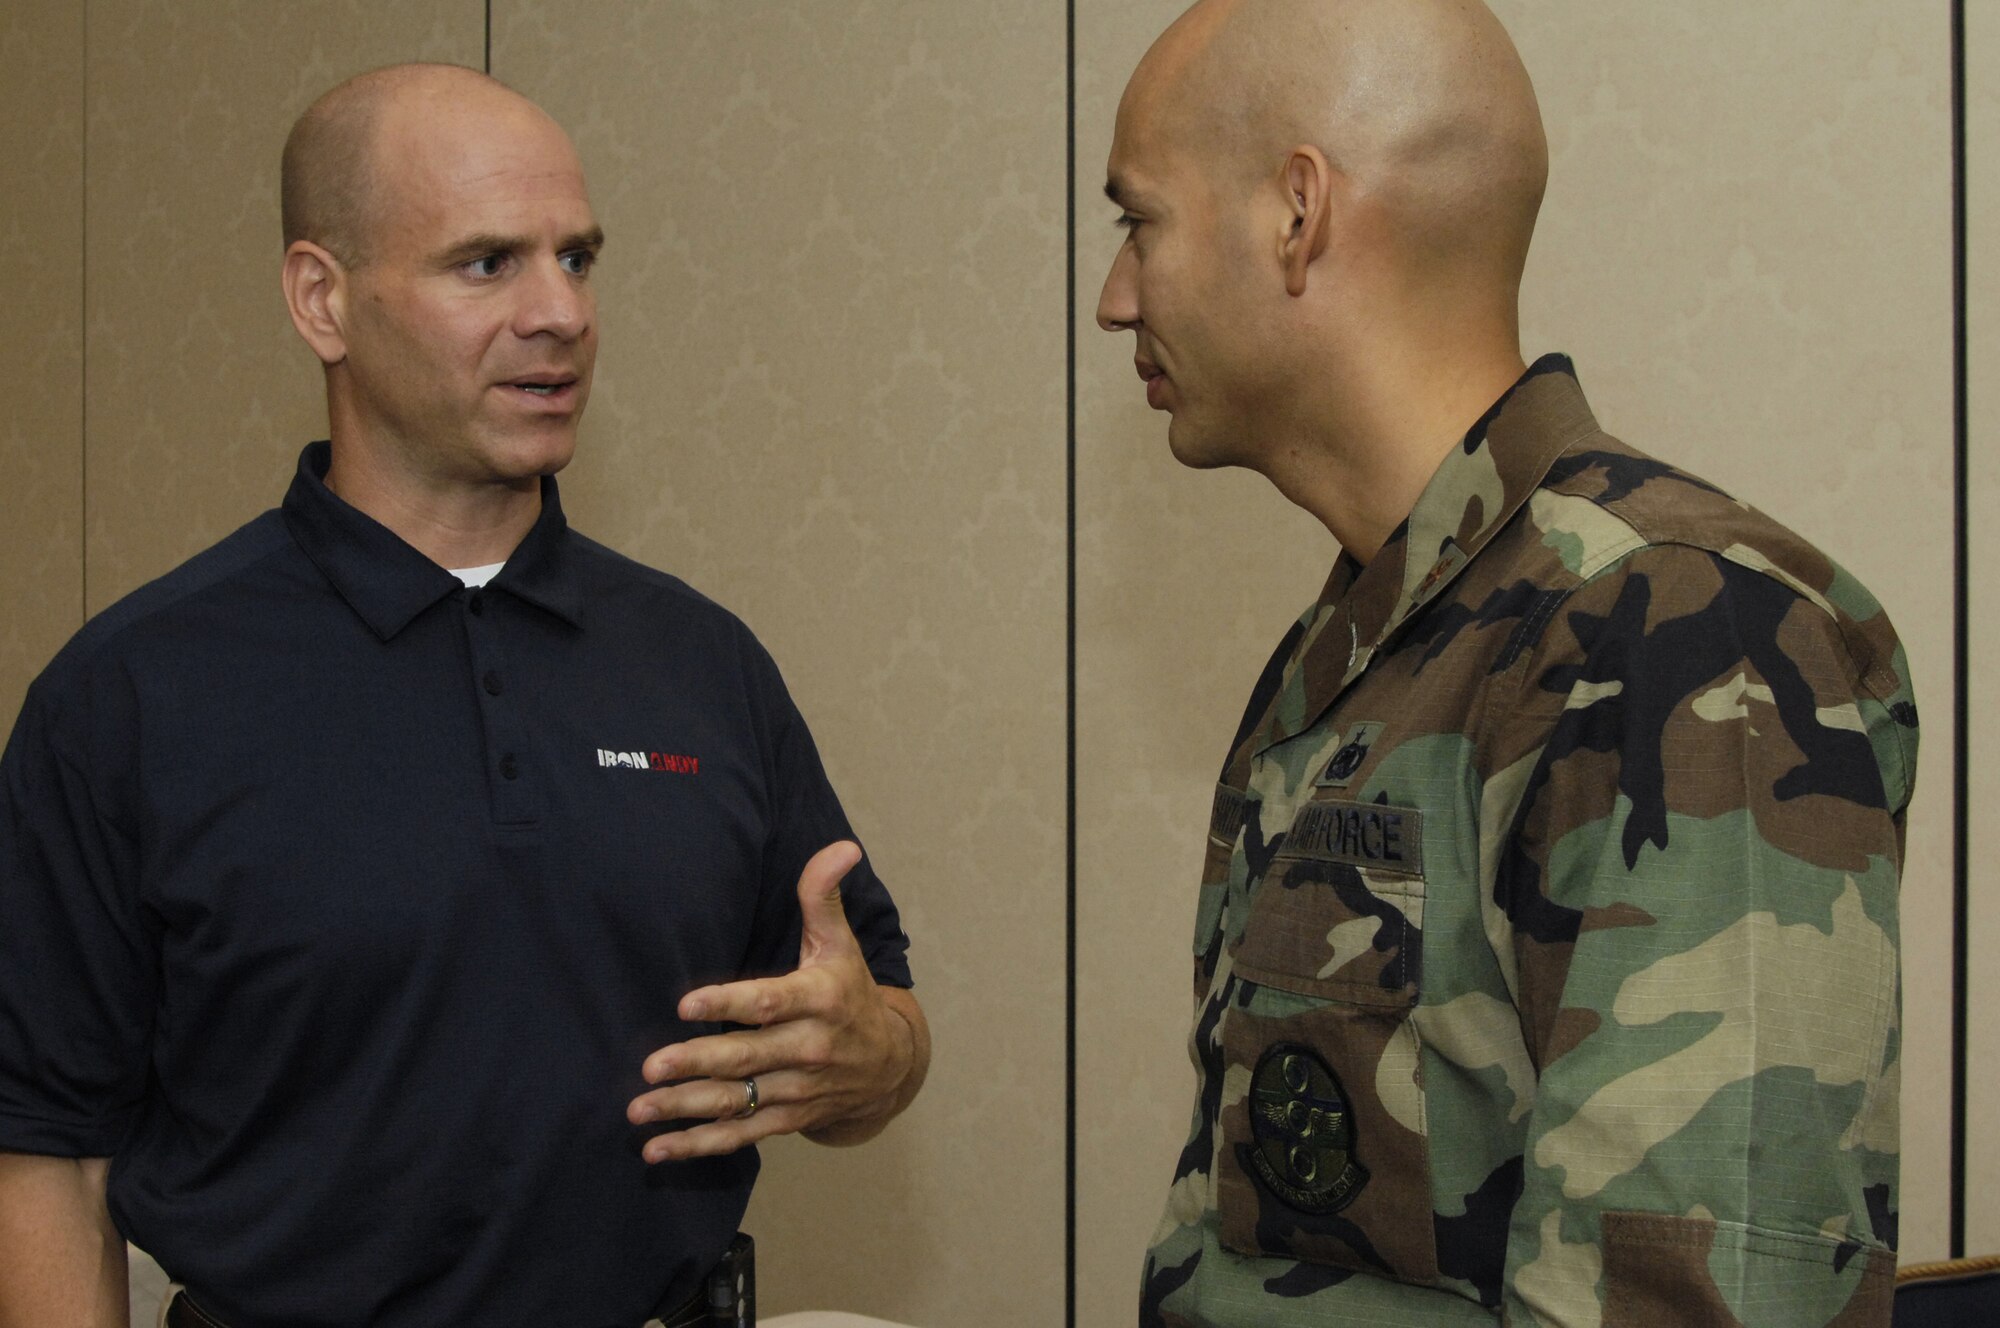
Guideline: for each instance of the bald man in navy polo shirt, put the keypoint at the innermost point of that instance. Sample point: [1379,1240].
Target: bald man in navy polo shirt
[411,912]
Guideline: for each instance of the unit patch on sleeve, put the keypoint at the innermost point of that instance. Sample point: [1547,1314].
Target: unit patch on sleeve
[1302,1132]
[1361,834]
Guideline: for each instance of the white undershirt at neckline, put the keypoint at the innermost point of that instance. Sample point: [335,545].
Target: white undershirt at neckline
[477,576]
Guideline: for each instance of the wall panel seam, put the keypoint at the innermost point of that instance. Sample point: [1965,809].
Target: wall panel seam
[1069,671]
[83,331]
[1961,648]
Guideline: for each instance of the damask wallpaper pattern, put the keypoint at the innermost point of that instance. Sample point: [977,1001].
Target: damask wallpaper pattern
[833,395]
[41,328]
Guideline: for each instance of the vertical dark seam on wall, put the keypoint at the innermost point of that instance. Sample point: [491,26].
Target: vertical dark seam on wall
[489,36]
[1961,743]
[83,336]
[1069,677]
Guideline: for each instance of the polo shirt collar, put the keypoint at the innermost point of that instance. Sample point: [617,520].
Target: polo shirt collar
[543,568]
[1479,485]
[387,582]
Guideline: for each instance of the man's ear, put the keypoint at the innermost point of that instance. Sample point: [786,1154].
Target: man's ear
[1309,185]
[316,295]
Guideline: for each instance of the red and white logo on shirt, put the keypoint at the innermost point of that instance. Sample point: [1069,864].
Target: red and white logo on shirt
[663,763]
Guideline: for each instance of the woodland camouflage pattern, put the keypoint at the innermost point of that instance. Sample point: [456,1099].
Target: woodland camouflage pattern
[1546,953]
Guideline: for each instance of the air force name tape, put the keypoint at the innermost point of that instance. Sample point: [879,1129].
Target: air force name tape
[1363,834]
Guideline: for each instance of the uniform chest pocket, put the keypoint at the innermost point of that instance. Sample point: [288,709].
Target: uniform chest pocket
[1325,1154]
[1339,914]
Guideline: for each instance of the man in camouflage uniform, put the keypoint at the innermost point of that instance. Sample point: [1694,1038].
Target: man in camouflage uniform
[1546,951]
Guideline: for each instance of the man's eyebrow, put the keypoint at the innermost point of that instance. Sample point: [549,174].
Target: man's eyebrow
[1113,190]
[478,246]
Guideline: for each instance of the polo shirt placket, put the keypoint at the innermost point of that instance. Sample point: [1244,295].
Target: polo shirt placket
[512,788]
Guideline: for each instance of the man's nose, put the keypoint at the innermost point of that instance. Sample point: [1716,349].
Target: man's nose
[556,303]
[1118,302]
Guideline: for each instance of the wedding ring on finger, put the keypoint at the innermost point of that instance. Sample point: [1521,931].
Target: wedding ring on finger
[749,1100]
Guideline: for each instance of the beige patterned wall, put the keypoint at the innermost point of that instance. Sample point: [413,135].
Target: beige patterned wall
[41,332]
[1982,48]
[1746,249]
[201,393]
[830,394]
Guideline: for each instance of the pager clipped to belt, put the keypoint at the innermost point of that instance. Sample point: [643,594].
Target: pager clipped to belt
[732,1285]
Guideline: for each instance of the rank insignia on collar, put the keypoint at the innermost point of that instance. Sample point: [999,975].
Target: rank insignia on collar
[1302,1132]
[1340,771]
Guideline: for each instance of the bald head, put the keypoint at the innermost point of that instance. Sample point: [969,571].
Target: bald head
[1327,208]
[331,179]
[1422,105]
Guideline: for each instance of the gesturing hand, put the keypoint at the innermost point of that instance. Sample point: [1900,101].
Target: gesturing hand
[827,1047]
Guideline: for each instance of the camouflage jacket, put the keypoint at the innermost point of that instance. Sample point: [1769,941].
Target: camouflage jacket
[1546,952]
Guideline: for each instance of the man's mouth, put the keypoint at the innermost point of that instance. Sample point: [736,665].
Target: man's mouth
[544,385]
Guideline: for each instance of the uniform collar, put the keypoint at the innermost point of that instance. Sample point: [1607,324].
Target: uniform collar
[388,583]
[1480,484]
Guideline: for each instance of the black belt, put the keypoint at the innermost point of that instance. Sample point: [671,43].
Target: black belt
[184,1313]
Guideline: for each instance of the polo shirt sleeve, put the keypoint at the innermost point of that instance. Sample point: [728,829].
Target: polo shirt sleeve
[806,816]
[1702,887]
[78,967]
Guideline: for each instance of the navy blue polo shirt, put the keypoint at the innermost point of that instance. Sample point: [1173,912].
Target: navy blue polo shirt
[340,904]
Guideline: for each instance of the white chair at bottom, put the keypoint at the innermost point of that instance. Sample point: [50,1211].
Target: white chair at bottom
[826,1319]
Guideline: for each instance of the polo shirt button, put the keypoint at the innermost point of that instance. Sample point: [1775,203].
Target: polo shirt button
[492,683]
[509,767]
[476,602]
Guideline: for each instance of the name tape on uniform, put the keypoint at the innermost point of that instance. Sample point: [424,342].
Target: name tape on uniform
[1363,834]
